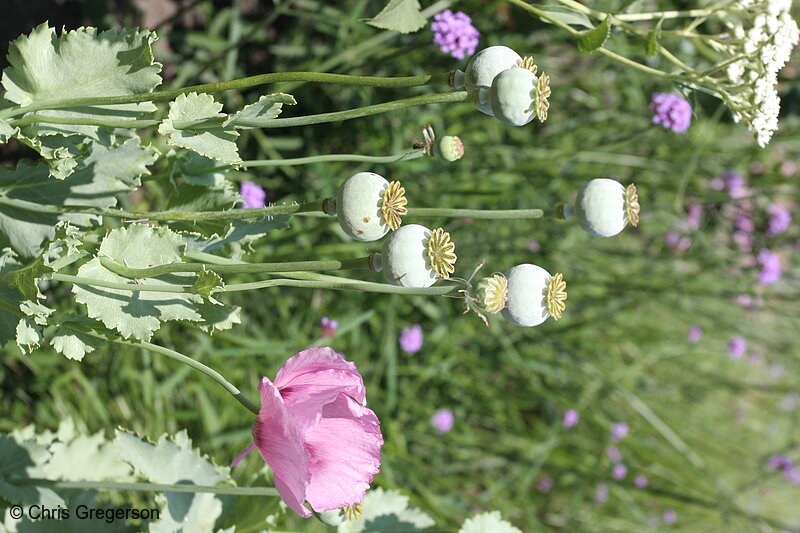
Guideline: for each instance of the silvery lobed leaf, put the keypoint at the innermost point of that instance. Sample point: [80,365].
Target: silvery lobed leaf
[74,344]
[105,173]
[76,523]
[171,462]
[81,63]
[29,327]
[404,16]
[491,521]
[195,123]
[137,314]
[22,459]
[217,317]
[82,457]
[188,197]
[237,237]
[266,108]
[387,510]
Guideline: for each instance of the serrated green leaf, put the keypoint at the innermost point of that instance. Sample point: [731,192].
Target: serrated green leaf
[105,173]
[77,64]
[492,521]
[21,460]
[404,16]
[10,299]
[74,344]
[187,126]
[193,168]
[218,317]
[175,461]
[64,249]
[61,154]
[238,237]
[187,197]
[207,281]
[132,313]
[388,510]
[86,458]
[567,16]
[267,107]
[653,38]
[25,279]
[591,40]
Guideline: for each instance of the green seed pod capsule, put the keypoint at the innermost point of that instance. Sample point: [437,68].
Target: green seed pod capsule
[334,518]
[604,207]
[533,295]
[512,96]
[414,256]
[492,293]
[451,148]
[368,206]
[483,67]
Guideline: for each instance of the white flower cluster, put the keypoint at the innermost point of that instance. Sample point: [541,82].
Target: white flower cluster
[765,46]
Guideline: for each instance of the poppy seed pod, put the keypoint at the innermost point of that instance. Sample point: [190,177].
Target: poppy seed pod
[368,206]
[451,148]
[414,256]
[604,207]
[533,295]
[483,67]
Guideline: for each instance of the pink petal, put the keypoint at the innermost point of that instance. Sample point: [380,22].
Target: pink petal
[314,378]
[280,442]
[345,453]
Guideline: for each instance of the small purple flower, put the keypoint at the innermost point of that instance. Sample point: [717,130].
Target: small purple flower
[619,431]
[329,327]
[780,462]
[454,33]
[734,182]
[613,453]
[253,195]
[571,418]
[671,111]
[601,494]
[694,215]
[619,471]
[770,267]
[737,347]
[744,222]
[695,332]
[411,339]
[442,421]
[640,481]
[670,516]
[792,475]
[743,240]
[545,484]
[672,238]
[779,219]
[534,246]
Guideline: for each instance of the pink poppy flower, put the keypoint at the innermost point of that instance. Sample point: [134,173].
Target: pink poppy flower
[314,432]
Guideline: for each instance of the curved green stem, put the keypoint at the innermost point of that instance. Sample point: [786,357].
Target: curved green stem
[321,118]
[257,163]
[147,487]
[177,356]
[232,214]
[331,282]
[242,83]
[134,287]
[504,214]
[245,268]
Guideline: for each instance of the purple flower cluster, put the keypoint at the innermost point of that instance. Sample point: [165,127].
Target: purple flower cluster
[737,347]
[779,219]
[442,421]
[329,327]
[785,465]
[253,195]
[770,267]
[671,111]
[454,33]
[695,332]
[571,417]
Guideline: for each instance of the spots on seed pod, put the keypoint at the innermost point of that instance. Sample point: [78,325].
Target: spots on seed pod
[366,219]
[359,232]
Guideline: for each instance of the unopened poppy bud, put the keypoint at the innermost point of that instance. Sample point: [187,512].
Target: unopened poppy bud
[368,206]
[451,148]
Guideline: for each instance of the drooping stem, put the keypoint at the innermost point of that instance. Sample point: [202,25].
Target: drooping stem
[321,118]
[232,214]
[356,158]
[241,83]
[244,268]
[504,214]
[177,356]
[146,487]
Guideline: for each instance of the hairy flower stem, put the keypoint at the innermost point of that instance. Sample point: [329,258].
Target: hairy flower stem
[241,83]
[356,158]
[146,487]
[243,268]
[505,214]
[231,214]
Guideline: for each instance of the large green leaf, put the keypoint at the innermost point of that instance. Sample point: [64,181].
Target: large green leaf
[388,510]
[20,460]
[404,16]
[591,40]
[138,314]
[238,237]
[188,126]
[483,522]
[171,462]
[104,174]
[567,16]
[82,63]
